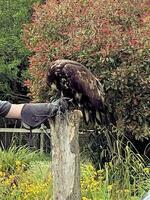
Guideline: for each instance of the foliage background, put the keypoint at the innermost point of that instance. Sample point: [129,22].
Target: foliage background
[13,53]
[109,37]
[112,39]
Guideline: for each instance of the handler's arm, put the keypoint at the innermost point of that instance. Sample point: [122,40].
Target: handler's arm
[32,114]
[15,111]
[9,110]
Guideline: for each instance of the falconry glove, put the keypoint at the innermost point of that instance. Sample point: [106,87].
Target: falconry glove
[34,114]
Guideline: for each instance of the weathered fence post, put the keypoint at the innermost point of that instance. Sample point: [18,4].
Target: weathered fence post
[65,156]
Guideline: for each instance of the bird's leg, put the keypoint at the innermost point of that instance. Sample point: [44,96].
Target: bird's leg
[63,114]
[61,94]
[56,96]
[60,111]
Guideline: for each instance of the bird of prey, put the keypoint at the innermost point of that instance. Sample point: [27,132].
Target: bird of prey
[75,81]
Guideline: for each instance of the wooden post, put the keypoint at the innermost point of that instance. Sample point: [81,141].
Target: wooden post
[65,156]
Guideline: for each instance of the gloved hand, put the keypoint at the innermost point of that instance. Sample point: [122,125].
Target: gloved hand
[60,105]
[34,114]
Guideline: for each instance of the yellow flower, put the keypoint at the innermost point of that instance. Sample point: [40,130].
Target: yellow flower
[1,174]
[84,198]
[146,170]
[14,186]
[7,182]
[109,187]
[126,190]
[18,162]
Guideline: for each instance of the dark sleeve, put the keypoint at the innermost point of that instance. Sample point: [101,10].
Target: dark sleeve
[4,108]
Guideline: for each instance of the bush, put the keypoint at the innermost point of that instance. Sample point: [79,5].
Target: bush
[13,53]
[110,38]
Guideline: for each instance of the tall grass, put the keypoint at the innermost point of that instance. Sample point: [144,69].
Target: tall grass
[23,174]
[123,178]
[16,156]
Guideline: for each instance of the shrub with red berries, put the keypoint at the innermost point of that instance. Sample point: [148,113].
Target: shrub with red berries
[111,38]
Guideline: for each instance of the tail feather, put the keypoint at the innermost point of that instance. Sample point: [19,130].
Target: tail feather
[86,116]
[104,117]
[98,116]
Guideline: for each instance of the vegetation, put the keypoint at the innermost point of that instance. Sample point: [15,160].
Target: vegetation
[23,174]
[16,157]
[121,179]
[13,54]
[111,38]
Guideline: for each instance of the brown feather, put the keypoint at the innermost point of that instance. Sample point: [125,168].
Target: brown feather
[76,82]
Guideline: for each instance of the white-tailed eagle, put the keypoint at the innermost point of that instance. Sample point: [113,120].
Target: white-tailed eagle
[75,81]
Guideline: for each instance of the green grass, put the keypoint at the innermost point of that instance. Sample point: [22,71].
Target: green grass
[26,175]
[13,157]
